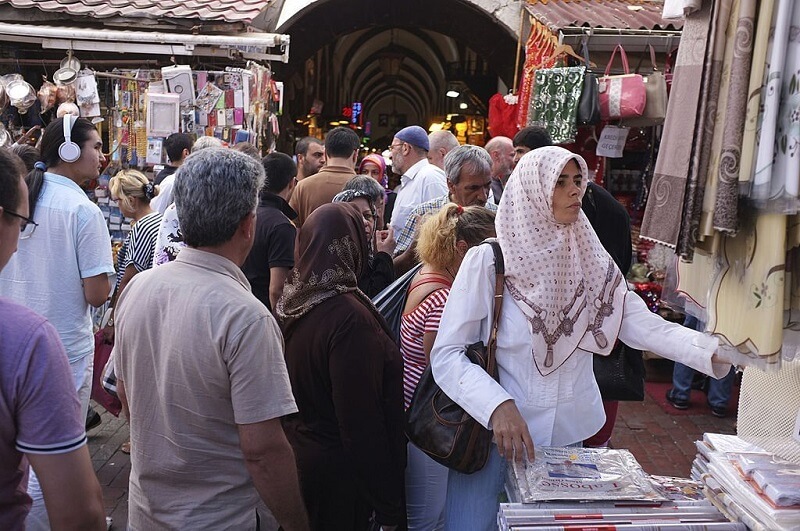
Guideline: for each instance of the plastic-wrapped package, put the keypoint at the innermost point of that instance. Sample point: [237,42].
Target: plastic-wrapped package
[570,473]
[47,96]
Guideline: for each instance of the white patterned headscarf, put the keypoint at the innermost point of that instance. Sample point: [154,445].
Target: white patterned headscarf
[559,274]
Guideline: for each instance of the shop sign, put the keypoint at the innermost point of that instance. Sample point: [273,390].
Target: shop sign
[612,141]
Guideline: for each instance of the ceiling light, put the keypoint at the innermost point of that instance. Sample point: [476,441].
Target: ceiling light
[463,106]
[452,94]
[343,122]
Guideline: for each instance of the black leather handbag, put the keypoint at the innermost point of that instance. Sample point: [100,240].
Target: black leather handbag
[440,427]
[589,103]
[620,375]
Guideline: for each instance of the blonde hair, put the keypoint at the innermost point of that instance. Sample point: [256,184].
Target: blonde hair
[440,232]
[127,184]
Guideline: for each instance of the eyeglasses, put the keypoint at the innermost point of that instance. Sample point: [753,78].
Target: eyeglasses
[26,227]
[392,146]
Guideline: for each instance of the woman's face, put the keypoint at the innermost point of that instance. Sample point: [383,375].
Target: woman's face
[373,171]
[127,212]
[366,213]
[91,161]
[568,194]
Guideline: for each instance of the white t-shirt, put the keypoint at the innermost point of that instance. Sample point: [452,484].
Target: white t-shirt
[164,198]
[422,182]
[564,407]
[71,243]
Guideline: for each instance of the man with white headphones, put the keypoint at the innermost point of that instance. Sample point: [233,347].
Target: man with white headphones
[63,262]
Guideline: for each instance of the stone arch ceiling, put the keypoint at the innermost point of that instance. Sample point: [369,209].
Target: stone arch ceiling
[432,35]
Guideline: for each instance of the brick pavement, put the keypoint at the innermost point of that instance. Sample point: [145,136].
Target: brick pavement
[662,443]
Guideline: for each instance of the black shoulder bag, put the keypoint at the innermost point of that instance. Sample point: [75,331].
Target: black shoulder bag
[440,427]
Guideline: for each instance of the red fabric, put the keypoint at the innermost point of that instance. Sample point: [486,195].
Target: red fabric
[102,351]
[502,117]
[602,437]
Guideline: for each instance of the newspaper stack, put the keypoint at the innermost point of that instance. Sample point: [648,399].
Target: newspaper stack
[589,489]
[749,484]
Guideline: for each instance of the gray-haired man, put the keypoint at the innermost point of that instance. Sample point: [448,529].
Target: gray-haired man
[200,369]
[469,177]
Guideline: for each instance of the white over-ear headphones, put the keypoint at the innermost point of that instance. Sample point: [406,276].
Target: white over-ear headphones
[69,151]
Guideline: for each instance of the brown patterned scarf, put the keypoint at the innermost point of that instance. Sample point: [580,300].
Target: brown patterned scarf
[330,257]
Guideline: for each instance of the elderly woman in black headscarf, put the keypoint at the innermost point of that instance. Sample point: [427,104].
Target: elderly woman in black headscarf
[347,377]
[367,195]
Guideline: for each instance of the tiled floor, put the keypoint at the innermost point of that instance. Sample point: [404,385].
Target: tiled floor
[662,443]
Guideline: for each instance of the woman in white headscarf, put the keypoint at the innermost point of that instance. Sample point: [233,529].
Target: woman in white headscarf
[564,301]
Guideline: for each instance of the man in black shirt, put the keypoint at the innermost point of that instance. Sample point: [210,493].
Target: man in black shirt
[178,146]
[272,255]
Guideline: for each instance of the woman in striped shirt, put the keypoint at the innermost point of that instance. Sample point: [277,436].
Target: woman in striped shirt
[133,191]
[443,241]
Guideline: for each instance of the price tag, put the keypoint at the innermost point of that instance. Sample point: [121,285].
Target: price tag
[612,141]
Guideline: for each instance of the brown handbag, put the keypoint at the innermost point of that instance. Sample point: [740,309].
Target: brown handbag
[440,427]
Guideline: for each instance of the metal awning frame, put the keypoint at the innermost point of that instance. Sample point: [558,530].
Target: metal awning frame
[249,45]
[606,39]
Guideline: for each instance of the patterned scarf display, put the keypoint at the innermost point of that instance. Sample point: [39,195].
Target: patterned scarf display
[559,275]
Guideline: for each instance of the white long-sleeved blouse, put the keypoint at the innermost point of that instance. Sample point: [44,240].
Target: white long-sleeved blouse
[565,406]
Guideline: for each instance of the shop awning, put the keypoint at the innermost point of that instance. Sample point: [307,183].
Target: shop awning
[206,10]
[247,45]
[609,14]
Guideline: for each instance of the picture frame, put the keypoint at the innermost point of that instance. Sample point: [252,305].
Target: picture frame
[163,114]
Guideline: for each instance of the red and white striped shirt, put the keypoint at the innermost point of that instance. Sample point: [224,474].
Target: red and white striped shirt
[413,326]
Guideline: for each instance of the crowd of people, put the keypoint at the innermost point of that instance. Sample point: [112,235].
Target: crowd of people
[262,386]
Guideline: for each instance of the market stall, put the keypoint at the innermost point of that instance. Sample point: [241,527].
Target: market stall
[572,53]
[130,82]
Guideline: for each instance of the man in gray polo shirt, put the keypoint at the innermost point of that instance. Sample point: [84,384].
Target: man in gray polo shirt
[200,368]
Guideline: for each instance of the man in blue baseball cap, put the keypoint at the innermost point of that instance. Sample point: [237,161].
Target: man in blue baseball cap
[420,181]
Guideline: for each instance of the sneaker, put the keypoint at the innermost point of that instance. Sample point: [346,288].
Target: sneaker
[675,402]
[719,411]
[93,419]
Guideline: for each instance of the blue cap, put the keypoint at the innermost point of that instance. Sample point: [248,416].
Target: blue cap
[414,135]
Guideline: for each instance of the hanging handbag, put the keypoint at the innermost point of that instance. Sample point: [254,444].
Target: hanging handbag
[440,427]
[392,300]
[621,96]
[102,352]
[589,102]
[620,375]
[655,109]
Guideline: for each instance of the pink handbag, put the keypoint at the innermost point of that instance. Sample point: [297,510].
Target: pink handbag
[621,96]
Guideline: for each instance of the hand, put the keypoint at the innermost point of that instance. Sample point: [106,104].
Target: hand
[108,334]
[511,432]
[29,137]
[385,242]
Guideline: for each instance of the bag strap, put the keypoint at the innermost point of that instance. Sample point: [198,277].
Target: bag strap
[624,57]
[585,50]
[653,58]
[499,281]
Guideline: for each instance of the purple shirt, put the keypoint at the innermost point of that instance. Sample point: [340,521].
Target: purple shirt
[39,408]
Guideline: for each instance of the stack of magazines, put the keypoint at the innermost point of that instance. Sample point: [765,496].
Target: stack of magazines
[590,489]
[593,516]
[749,484]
